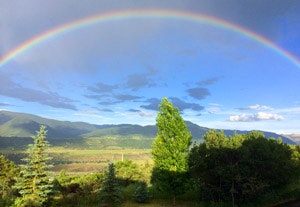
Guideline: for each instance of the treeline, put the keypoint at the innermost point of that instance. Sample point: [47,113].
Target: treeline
[245,169]
[239,170]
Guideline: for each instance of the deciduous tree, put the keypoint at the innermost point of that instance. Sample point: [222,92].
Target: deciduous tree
[170,150]
[242,168]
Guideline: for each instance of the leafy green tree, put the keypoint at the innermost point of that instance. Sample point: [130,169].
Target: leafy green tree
[170,151]
[128,171]
[8,172]
[110,193]
[34,185]
[266,166]
[244,168]
[215,139]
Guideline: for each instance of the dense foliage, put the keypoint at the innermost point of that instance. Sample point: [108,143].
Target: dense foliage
[34,185]
[8,172]
[110,191]
[242,168]
[128,172]
[170,150]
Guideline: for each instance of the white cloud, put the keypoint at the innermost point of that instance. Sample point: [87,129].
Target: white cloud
[268,116]
[261,116]
[256,107]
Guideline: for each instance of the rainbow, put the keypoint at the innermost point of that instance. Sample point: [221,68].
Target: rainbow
[145,13]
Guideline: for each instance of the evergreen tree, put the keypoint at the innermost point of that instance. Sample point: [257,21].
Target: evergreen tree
[170,150]
[141,194]
[8,172]
[110,193]
[34,185]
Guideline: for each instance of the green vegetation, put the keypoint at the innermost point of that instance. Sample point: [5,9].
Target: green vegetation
[8,172]
[110,191]
[236,170]
[170,151]
[141,194]
[33,184]
[244,169]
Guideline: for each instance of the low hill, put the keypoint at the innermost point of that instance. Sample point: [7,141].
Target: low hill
[23,126]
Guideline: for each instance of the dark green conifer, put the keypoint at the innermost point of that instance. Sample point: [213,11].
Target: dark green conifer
[141,194]
[110,193]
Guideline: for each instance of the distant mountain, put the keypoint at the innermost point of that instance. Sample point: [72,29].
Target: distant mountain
[294,137]
[19,125]
[14,124]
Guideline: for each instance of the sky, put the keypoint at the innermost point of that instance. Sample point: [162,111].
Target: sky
[225,64]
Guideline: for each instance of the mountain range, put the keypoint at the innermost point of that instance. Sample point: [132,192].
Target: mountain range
[16,129]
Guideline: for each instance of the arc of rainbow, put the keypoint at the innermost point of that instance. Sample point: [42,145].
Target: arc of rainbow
[145,13]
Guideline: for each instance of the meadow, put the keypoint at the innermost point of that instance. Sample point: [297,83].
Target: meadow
[82,161]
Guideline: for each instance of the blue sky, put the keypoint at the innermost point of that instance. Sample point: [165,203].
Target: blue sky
[117,72]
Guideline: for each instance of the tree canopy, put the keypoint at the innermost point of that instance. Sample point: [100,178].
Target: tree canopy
[170,150]
[241,168]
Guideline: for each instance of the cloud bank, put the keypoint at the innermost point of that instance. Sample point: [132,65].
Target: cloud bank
[261,116]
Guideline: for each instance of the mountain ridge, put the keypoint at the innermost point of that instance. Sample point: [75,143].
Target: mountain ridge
[14,124]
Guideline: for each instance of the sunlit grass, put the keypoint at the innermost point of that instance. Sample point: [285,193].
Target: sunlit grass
[80,161]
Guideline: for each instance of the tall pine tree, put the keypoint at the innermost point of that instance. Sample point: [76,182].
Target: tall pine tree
[170,151]
[34,185]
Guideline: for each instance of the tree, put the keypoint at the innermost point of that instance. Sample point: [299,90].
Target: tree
[244,168]
[215,139]
[266,163]
[8,172]
[34,185]
[141,194]
[110,193]
[128,172]
[170,150]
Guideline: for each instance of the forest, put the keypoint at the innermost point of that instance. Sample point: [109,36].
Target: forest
[238,170]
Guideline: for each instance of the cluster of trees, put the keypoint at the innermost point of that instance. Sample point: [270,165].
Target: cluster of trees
[29,185]
[240,169]
[235,170]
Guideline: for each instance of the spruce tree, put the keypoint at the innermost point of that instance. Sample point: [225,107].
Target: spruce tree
[141,194]
[34,185]
[110,193]
[170,150]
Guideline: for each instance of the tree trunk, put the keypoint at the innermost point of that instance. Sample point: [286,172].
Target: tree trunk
[174,200]
[232,191]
